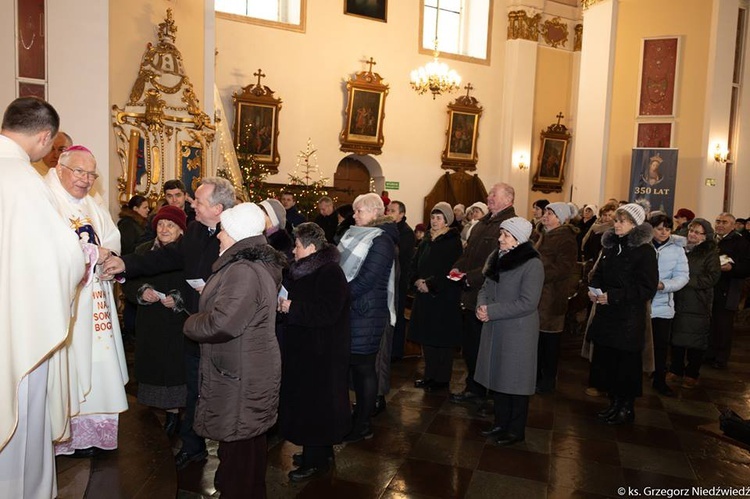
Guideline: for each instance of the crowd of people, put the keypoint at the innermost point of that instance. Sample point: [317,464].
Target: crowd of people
[248,319]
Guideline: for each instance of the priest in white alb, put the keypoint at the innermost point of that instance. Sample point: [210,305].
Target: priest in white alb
[96,358]
[41,264]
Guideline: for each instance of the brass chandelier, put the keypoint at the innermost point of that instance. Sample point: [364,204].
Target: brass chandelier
[435,76]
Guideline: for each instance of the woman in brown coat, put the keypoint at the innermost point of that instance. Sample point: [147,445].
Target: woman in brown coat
[240,370]
[559,250]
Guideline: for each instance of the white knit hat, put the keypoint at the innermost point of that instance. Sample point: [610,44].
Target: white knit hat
[634,210]
[520,228]
[243,221]
[594,209]
[446,210]
[561,210]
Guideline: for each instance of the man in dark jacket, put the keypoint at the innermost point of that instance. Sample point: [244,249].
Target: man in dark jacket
[406,242]
[482,242]
[734,253]
[293,216]
[195,253]
[327,218]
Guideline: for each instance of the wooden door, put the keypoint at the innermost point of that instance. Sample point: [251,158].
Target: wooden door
[350,180]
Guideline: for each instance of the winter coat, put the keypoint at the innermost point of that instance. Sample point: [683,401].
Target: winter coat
[508,347]
[132,226]
[194,254]
[314,407]
[558,250]
[159,342]
[240,365]
[436,315]
[728,290]
[583,229]
[673,273]
[369,290]
[693,303]
[406,246]
[328,223]
[281,241]
[591,245]
[482,242]
[629,274]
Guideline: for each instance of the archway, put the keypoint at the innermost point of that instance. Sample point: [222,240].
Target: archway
[356,175]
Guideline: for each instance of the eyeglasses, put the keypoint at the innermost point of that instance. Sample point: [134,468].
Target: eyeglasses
[81,174]
[696,232]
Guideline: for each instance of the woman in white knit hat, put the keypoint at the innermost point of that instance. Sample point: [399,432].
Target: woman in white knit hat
[624,280]
[508,306]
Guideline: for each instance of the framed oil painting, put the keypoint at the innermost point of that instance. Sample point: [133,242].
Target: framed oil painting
[363,126]
[377,10]
[256,124]
[552,159]
[460,152]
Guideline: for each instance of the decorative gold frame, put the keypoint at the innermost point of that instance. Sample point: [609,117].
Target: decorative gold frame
[554,32]
[365,112]
[255,105]
[552,159]
[461,135]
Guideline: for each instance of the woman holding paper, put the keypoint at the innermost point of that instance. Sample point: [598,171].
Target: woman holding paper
[159,365]
[627,275]
[314,406]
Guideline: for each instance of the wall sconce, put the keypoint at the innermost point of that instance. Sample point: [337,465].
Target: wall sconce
[522,162]
[721,154]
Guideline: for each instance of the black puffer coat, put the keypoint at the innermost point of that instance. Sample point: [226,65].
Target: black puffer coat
[692,304]
[314,406]
[436,316]
[628,272]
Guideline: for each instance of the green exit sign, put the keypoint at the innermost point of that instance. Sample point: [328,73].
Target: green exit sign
[392,186]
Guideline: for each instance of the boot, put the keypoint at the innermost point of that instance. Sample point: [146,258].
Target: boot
[614,406]
[172,424]
[626,413]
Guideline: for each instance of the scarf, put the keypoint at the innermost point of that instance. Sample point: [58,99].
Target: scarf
[354,247]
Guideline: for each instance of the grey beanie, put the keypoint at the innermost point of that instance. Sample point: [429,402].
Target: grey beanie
[446,210]
[275,211]
[707,227]
[520,228]
[634,210]
[561,210]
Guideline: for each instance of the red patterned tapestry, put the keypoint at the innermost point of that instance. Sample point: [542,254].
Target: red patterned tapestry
[658,77]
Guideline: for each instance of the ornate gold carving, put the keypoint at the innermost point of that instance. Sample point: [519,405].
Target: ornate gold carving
[578,38]
[554,32]
[521,26]
[585,4]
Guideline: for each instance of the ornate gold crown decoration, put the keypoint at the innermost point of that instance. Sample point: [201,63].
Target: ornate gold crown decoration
[585,4]
[522,26]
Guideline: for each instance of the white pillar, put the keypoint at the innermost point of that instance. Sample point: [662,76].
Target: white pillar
[591,128]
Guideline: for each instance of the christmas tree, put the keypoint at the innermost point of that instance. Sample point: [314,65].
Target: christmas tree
[254,177]
[307,190]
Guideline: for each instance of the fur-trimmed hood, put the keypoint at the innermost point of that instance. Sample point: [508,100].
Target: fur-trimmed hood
[509,261]
[641,234]
[306,266]
[253,249]
[703,248]
[127,212]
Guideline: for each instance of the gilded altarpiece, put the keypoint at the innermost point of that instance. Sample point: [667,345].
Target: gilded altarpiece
[162,133]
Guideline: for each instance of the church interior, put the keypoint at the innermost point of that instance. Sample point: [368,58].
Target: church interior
[154,88]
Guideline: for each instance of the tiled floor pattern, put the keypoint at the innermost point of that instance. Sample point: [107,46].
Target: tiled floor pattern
[424,446]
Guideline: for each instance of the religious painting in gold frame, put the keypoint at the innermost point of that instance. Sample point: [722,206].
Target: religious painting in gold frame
[256,124]
[365,111]
[191,165]
[460,152]
[552,159]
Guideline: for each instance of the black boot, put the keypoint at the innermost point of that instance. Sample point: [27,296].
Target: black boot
[172,424]
[626,413]
[379,405]
[614,406]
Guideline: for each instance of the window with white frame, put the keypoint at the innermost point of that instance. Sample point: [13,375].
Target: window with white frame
[288,14]
[463,28]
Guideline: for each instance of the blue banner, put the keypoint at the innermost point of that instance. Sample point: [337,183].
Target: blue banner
[653,175]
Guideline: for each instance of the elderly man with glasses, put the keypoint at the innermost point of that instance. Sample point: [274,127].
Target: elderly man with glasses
[96,358]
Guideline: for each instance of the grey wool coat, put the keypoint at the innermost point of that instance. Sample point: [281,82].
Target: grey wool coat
[508,348]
